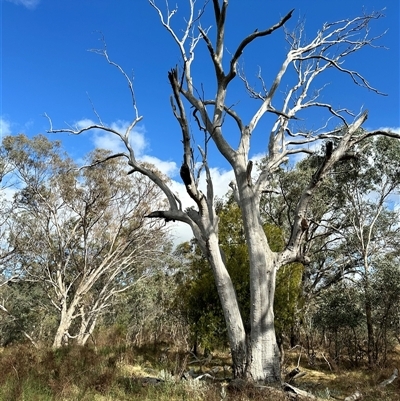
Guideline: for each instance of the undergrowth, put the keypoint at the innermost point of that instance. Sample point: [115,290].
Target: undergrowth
[119,374]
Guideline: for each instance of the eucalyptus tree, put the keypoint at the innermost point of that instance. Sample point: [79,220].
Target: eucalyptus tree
[83,233]
[255,357]
[7,272]
[371,231]
[385,298]
[27,313]
[197,293]
[324,222]
[353,221]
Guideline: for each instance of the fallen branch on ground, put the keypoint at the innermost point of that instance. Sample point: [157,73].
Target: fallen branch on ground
[354,397]
[391,379]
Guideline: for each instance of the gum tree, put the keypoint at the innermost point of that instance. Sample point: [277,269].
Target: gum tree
[82,234]
[371,231]
[352,224]
[254,353]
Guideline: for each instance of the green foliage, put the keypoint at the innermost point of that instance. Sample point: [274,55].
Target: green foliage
[339,309]
[146,313]
[339,319]
[385,298]
[352,232]
[197,299]
[79,234]
[288,297]
[198,294]
[28,311]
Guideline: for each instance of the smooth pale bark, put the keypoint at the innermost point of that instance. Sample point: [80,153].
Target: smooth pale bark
[86,328]
[264,355]
[230,307]
[370,330]
[68,315]
[66,319]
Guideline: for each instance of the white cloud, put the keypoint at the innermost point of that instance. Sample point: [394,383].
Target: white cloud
[221,178]
[180,190]
[101,139]
[107,140]
[169,168]
[5,128]
[180,232]
[85,122]
[396,130]
[8,193]
[258,156]
[136,137]
[31,4]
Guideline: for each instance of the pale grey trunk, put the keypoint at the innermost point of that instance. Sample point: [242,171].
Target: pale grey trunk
[230,306]
[61,337]
[66,319]
[264,361]
[86,328]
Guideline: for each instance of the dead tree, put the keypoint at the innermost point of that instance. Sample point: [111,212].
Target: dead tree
[255,354]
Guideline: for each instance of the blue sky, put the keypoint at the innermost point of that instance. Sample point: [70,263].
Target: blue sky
[46,68]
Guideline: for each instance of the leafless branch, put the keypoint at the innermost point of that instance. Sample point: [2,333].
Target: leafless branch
[105,159]
[357,78]
[245,42]
[187,55]
[103,52]
[94,110]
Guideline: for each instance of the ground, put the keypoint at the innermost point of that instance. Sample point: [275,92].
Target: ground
[126,373]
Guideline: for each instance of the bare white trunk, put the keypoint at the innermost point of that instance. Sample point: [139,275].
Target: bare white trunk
[84,336]
[61,337]
[66,319]
[264,359]
[86,328]
[230,306]
[265,355]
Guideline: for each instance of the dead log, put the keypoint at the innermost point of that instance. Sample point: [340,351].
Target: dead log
[152,381]
[391,379]
[294,374]
[354,397]
[299,375]
[300,394]
[204,377]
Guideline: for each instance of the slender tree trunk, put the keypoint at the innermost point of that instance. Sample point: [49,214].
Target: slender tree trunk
[368,314]
[86,328]
[60,338]
[66,319]
[370,331]
[230,307]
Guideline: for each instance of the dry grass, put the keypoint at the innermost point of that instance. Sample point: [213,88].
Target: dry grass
[328,382]
[120,374]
